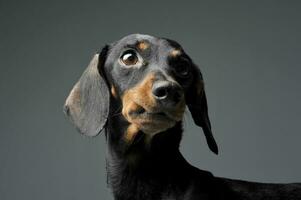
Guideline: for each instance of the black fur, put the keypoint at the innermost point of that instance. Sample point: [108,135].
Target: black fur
[157,170]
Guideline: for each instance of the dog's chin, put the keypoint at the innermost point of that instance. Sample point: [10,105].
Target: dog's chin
[150,119]
[152,123]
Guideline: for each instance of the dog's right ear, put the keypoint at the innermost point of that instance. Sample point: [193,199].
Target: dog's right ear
[87,105]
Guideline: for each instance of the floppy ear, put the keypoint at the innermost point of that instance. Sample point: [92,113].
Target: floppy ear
[197,104]
[87,105]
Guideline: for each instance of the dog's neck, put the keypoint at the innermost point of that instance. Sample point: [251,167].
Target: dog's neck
[147,155]
[139,166]
[146,168]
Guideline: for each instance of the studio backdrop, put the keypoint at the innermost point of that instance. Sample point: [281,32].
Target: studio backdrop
[249,54]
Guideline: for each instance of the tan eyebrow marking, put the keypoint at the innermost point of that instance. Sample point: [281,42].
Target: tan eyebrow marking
[142,45]
[175,52]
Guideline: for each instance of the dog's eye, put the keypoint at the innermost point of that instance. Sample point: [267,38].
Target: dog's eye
[182,70]
[129,57]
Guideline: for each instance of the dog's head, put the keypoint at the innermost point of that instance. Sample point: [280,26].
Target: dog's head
[153,79]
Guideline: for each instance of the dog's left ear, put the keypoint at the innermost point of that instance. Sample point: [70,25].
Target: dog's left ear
[87,105]
[197,104]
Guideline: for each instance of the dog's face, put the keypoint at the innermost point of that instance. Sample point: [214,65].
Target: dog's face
[152,78]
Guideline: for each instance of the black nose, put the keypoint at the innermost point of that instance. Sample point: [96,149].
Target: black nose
[167,91]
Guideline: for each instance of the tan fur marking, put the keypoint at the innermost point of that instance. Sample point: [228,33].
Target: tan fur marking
[142,94]
[131,132]
[175,52]
[73,100]
[143,45]
[113,92]
[145,91]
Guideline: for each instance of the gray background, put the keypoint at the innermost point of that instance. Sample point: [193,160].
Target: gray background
[249,52]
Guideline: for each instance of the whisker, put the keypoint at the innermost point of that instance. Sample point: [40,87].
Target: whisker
[117,112]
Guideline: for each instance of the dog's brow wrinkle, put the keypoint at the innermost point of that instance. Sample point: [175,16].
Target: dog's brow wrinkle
[130,46]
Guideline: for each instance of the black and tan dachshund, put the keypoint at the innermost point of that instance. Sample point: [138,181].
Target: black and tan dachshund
[137,90]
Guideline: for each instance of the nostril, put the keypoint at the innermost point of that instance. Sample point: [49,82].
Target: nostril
[160,92]
[168,91]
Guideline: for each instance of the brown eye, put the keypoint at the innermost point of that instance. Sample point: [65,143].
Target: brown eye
[183,71]
[129,57]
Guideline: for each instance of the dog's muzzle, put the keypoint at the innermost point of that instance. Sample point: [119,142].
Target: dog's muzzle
[154,105]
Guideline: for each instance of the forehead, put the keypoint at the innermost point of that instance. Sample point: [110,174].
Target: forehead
[144,42]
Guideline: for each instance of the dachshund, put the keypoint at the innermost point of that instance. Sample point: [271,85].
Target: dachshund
[136,91]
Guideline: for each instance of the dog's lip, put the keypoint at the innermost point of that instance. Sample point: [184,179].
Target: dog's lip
[138,111]
[142,113]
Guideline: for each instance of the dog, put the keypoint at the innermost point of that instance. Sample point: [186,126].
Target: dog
[136,89]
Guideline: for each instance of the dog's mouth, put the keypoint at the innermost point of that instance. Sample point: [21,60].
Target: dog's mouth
[142,113]
[152,121]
